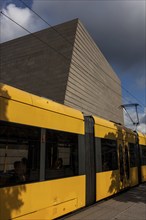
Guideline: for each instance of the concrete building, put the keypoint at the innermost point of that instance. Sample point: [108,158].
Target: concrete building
[64,64]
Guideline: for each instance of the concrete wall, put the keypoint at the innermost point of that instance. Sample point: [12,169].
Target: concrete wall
[40,64]
[93,87]
[69,69]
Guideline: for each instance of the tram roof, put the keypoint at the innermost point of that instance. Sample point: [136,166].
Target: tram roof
[18,95]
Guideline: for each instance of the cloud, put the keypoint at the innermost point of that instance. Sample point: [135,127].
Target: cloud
[142,119]
[23,16]
[142,128]
[118,27]
[9,30]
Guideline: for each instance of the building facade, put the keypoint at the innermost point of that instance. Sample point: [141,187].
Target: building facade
[64,64]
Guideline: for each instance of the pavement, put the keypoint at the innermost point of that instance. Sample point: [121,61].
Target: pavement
[128,205]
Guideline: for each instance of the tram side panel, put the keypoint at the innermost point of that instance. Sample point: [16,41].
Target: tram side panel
[116,162]
[61,191]
[51,142]
[106,153]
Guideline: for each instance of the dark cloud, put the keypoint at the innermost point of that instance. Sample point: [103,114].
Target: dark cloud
[143,120]
[118,27]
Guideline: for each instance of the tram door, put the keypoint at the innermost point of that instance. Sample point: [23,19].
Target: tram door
[90,161]
[123,164]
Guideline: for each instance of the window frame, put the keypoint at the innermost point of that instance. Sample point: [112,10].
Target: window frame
[106,161]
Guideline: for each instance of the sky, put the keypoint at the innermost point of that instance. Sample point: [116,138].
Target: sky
[118,27]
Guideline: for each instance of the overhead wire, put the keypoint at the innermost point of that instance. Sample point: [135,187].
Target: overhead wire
[54,50]
[44,42]
[77,48]
[41,41]
[76,65]
[103,109]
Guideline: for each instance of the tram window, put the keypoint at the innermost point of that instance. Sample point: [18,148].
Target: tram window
[143,155]
[132,152]
[61,154]
[109,154]
[127,162]
[19,154]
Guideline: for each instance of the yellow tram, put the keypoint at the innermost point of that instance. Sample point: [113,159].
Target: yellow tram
[41,131]
[53,160]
